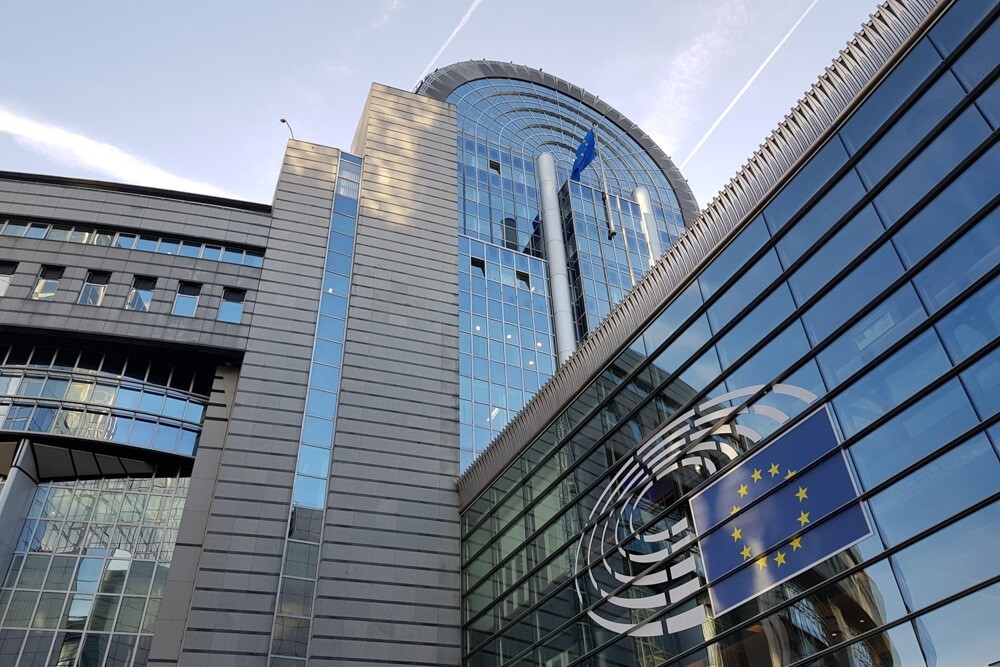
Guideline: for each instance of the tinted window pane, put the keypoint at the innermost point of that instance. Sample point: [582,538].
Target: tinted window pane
[967,547]
[974,323]
[729,261]
[983,382]
[911,368]
[962,264]
[931,422]
[887,323]
[937,159]
[949,484]
[755,326]
[750,285]
[848,242]
[957,203]
[932,106]
[853,293]
[805,184]
[902,81]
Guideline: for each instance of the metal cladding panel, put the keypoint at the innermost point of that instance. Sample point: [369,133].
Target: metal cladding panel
[843,85]
[390,558]
[221,601]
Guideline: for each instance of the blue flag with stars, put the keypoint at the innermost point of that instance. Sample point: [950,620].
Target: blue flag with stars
[585,154]
[765,521]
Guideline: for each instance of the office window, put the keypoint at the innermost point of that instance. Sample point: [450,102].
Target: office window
[186,301]
[141,296]
[231,308]
[7,270]
[93,290]
[48,283]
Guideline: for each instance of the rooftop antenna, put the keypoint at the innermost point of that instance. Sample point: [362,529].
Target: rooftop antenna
[289,128]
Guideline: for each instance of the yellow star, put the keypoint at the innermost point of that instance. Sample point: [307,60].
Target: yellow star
[736,508]
[745,553]
[779,559]
[743,490]
[790,473]
[803,518]
[737,534]
[774,470]
[755,476]
[762,562]
[796,544]
[801,495]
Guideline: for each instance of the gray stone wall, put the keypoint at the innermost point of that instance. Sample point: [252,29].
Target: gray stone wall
[389,587]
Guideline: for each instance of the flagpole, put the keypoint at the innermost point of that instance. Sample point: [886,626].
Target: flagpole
[604,184]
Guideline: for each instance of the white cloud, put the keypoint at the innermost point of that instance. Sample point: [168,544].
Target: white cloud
[675,96]
[76,150]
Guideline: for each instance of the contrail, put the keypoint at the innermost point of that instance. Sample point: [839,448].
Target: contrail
[76,149]
[746,86]
[447,42]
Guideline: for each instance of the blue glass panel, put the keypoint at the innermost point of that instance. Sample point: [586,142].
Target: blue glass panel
[972,190]
[341,243]
[853,292]
[823,165]
[316,431]
[338,263]
[151,402]
[346,205]
[894,380]
[166,437]
[849,241]
[873,334]
[937,159]
[963,632]
[906,132]
[309,492]
[958,22]
[946,485]
[890,93]
[212,252]
[779,353]
[314,461]
[755,326]
[685,345]
[823,215]
[187,441]
[729,261]
[962,264]
[980,58]
[321,403]
[983,383]
[989,104]
[954,558]
[142,433]
[127,398]
[974,323]
[336,306]
[750,285]
[327,351]
[325,377]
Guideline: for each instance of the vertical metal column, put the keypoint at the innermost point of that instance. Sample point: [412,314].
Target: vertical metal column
[555,254]
[15,500]
[641,196]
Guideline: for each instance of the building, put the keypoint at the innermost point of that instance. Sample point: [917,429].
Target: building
[668,497]
[524,305]
[230,433]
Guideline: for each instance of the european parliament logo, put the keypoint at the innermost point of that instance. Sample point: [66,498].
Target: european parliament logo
[781,511]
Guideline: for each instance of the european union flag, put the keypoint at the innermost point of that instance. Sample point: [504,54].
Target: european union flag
[764,522]
[585,154]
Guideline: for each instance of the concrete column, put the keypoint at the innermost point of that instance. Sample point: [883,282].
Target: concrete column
[15,499]
[555,254]
[641,196]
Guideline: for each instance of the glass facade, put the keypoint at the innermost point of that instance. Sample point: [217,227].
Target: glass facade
[109,397]
[88,572]
[868,286]
[293,616]
[130,240]
[506,340]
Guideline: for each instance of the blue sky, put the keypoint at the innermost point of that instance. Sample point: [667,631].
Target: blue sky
[187,94]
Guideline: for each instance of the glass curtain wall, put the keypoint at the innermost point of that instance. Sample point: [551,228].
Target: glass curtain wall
[868,286]
[507,349]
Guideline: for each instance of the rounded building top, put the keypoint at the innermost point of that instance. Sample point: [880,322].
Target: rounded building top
[533,111]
